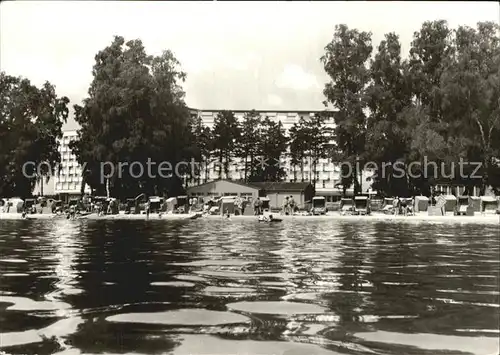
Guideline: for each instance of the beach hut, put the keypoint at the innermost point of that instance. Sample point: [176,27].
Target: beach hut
[346,205]
[449,202]
[421,203]
[489,204]
[362,205]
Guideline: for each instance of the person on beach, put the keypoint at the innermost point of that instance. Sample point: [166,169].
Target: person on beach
[148,207]
[256,206]
[72,212]
[291,202]
[404,207]
[395,205]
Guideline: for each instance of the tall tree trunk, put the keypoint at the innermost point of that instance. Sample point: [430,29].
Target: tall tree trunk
[207,163]
[246,167]
[302,169]
[252,164]
[82,186]
[221,159]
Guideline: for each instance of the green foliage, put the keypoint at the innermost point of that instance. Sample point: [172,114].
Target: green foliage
[203,139]
[345,62]
[309,139]
[271,146]
[440,105]
[226,134]
[249,142]
[31,122]
[134,112]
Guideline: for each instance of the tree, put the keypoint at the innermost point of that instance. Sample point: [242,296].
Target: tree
[345,62]
[31,122]
[249,142]
[204,144]
[271,148]
[297,148]
[389,95]
[470,87]
[310,139]
[318,137]
[135,113]
[226,133]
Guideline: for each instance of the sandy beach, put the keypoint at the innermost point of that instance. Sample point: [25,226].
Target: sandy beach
[418,218]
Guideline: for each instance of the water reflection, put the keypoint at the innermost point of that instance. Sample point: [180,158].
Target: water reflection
[199,287]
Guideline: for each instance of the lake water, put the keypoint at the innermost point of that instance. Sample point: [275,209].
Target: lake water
[239,287]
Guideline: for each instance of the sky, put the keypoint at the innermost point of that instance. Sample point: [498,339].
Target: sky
[237,55]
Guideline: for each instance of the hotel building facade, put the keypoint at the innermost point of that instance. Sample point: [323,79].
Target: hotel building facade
[67,181]
[327,173]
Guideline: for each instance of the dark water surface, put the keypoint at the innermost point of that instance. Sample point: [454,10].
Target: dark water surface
[240,287]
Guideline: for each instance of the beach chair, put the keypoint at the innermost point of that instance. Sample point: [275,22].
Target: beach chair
[421,203]
[475,202]
[489,205]
[464,207]
[361,205]
[410,207]
[388,207]
[346,206]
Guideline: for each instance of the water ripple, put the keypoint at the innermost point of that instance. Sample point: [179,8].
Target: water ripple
[352,286]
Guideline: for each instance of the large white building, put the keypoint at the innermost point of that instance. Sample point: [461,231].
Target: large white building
[327,173]
[68,179]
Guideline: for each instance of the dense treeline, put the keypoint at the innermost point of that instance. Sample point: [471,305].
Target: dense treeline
[31,122]
[261,144]
[440,104]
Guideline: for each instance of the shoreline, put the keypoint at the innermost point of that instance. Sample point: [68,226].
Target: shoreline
[482,219]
